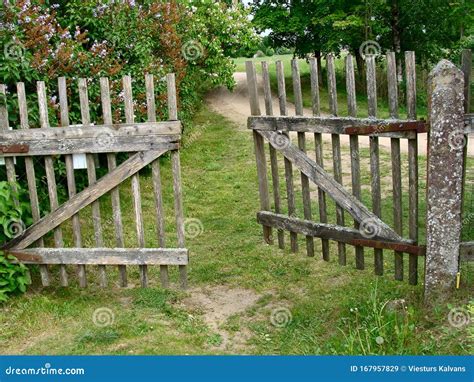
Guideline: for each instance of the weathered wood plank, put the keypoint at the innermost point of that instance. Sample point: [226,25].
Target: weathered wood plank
[396,160]
[179,212]
[410,69]
[112,164]
[374,154]
[259,148]
[336,125]
[135,179]
[267,93]
[91,175]
[336,150]
[328,231]
[84,198]
[172,99]
[290,194]
[323,216]
[318,147]
[103,256]
[30,176]
[156,178]
[354,148]
[340,195]
[50,176]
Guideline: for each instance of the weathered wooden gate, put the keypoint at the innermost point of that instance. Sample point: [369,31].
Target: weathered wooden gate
[369,228]
[146,142]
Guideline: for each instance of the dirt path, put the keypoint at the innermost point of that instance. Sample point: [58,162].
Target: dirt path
[235,106]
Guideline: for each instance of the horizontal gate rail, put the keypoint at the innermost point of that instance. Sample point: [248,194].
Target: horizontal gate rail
[102,256]
[91,139]
[391,128]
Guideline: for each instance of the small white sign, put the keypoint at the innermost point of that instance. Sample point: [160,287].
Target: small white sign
[79,161]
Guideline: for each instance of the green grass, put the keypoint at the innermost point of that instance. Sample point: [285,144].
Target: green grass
[334,309]
[383,111]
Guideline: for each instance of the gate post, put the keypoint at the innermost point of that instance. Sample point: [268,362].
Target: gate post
[444,182]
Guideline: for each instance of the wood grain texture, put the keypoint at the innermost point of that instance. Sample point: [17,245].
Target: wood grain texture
[50,176]
[396,160]
[112,164]
[272,152]
[354,149]
[103,256]
[410,72]
[290,194]
[31,176]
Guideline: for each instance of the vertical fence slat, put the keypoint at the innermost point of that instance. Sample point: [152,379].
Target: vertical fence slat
[31,176]
[318,145]
[91,175]
[354,149]
[412,165]
[295,70]
[112,164]
[259,148]
[273,153]
[71,180]
[290,191]
[177,184]
[336,150]
[9,162]
[50,177]
[396,160]
[156,178]
[136,193]
[374,154]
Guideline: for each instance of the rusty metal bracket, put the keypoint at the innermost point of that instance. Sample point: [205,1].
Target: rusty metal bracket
[418,250]
[420,126]
[14,149]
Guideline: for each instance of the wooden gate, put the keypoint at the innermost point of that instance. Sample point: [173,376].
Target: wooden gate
[146,142]
[400,135]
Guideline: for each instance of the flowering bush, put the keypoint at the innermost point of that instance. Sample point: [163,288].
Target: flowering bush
[42,41]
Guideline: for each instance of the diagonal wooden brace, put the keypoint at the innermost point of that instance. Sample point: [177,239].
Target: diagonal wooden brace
[327,183]
[83,199]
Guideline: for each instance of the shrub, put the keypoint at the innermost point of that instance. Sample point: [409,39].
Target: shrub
[13,277]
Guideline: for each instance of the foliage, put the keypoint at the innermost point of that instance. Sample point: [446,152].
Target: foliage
[42,41]
[431,28]
[13,277]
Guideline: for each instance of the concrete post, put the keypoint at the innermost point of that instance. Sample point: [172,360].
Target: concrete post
[444,185]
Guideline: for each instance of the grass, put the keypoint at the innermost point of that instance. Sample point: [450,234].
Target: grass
[334,309]
[383,111]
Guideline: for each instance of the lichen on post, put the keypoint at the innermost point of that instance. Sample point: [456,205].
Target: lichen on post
[445,168]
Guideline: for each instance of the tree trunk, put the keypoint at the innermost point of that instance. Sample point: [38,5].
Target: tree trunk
[396,40]
[317,54]
[360,83]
